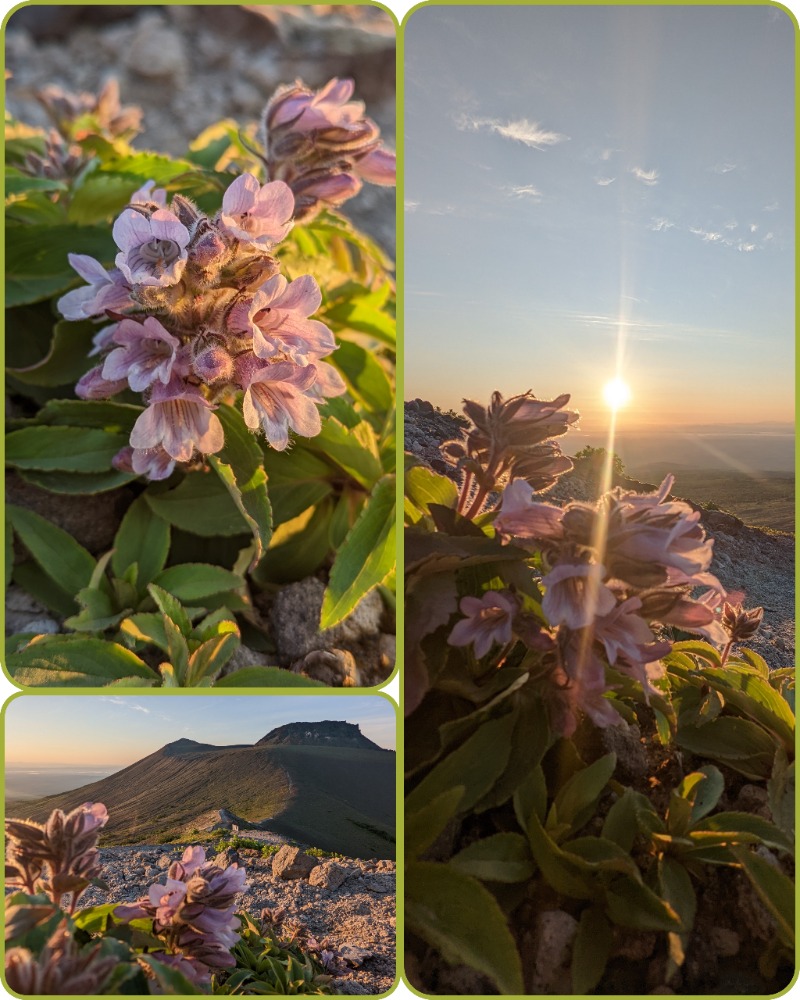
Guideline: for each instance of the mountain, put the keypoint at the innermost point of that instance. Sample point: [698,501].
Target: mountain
[329,734]
[299,784]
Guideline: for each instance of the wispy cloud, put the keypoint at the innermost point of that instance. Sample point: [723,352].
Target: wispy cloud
[645,176]
[731,225]
[661,225]
[604,181]
[723,168]
[125,703]
[524,191]
[644,330]
[410,206]
[746,247]
[772,207]
[753,227]
[528,133]
[706,235]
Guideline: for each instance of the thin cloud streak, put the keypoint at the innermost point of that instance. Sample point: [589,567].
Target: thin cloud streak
[528,133]
[649,177]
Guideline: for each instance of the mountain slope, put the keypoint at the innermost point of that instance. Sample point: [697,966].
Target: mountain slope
[335,798]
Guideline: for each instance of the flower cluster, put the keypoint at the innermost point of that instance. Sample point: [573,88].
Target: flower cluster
[77,116]
[57,857]
[322,145]
[509,440]
[60,968]
[200,313]
[194,913]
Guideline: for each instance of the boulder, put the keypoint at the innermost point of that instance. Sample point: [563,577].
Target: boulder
[291,863]
[328,875]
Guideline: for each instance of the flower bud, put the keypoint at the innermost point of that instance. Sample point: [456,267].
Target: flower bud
[213,364]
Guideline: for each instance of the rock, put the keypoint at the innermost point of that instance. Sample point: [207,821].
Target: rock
[334,667]
[725,942]
[292,863]
[553,936]
[328,875]
[227,857]
[379,882]
[164,861]
[350,987]
[354,956]
[156,51]
[636,945]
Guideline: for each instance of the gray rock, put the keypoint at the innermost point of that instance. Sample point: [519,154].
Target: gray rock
[553,936]
[355,956]
[227,857]
[164,861]
[726,943]
[292,863]
[379,882]
[328,875]
[350,987]
[156,51]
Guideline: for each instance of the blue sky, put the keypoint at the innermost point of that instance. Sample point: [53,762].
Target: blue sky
[580,178]
[121,729]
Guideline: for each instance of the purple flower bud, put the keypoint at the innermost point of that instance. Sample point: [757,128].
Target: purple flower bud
[213,364]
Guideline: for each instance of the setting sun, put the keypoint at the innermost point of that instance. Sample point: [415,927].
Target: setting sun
[616,393]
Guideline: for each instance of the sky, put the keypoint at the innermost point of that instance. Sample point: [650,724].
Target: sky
[121,729]
[593,191]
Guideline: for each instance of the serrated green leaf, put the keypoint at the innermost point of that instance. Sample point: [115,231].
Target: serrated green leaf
[63,449]
[503,857]
[146,627]
[208,659]
[298,548]
[169,979]
[696,647]
[590,950]
[739,743]
[32,578]
[424,486]
[58,660]
[142,538]
[352,449]
[366,378]
[631,814]
[116,418]
[463,921]
[632,904]
[200,504]
[366,556]
[77,483]
[101,197]
[741,822]
[66,562]
[296,481]
[172,608]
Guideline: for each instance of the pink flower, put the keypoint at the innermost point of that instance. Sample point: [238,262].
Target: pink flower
[622,631]
[276,399]
[166,899]
[489,620]
[306,111]
[106,290]
[146,355]
[277,316]
[576,595]
[103,339]
[256,213]
[92,385]
[179,420]
[328,382]
[154,463]
[522,520]
[152,248]
[149,194]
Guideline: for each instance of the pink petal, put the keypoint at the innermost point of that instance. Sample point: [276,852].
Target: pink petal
[240,195]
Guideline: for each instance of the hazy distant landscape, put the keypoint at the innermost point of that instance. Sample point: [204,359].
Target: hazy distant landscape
[35,780]
[760,499]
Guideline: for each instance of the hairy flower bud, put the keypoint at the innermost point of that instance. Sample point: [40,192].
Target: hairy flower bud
[213,364]
[741,624]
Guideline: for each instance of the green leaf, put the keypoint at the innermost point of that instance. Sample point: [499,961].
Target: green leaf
[208,659]
[240,467]
[194,581]
[200,504]
[101,196]
[702,650]
[66,562]
[780,788]
[353,449]
[631,814]
[741,822]
[753,696]
[171,607]
[590,950]
[67,357]
[424,826]
[35,581]
[177,651]
[116,418]
[94,919]
[424,487]
[65,449]
[476,765]
[603,855]
[676,888]
[462,920]
[531,797]
[566,873]
[296,481]
[503,857]
[142,538]
[576,800]
[739,743]
[774,888]
[366,558]
[632,904]
[146,627]
[19,183]
[37,265]
[366,378]
[77,483]
[75,661]
[9,551]
[298,548]
[365,316]
[269,677]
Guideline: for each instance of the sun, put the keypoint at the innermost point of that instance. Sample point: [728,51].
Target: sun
[616,393]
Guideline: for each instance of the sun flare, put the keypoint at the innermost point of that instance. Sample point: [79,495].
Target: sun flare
[616,393]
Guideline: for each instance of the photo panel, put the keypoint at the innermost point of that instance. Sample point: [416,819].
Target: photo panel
[234,844]
[200,344]
[599,289]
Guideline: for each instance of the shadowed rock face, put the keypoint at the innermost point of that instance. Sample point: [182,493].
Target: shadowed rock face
[314,734]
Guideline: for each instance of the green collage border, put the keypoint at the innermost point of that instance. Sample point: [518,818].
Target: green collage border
[381,692]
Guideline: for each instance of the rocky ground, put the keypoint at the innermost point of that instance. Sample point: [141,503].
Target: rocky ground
[347,903]
[755,561]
